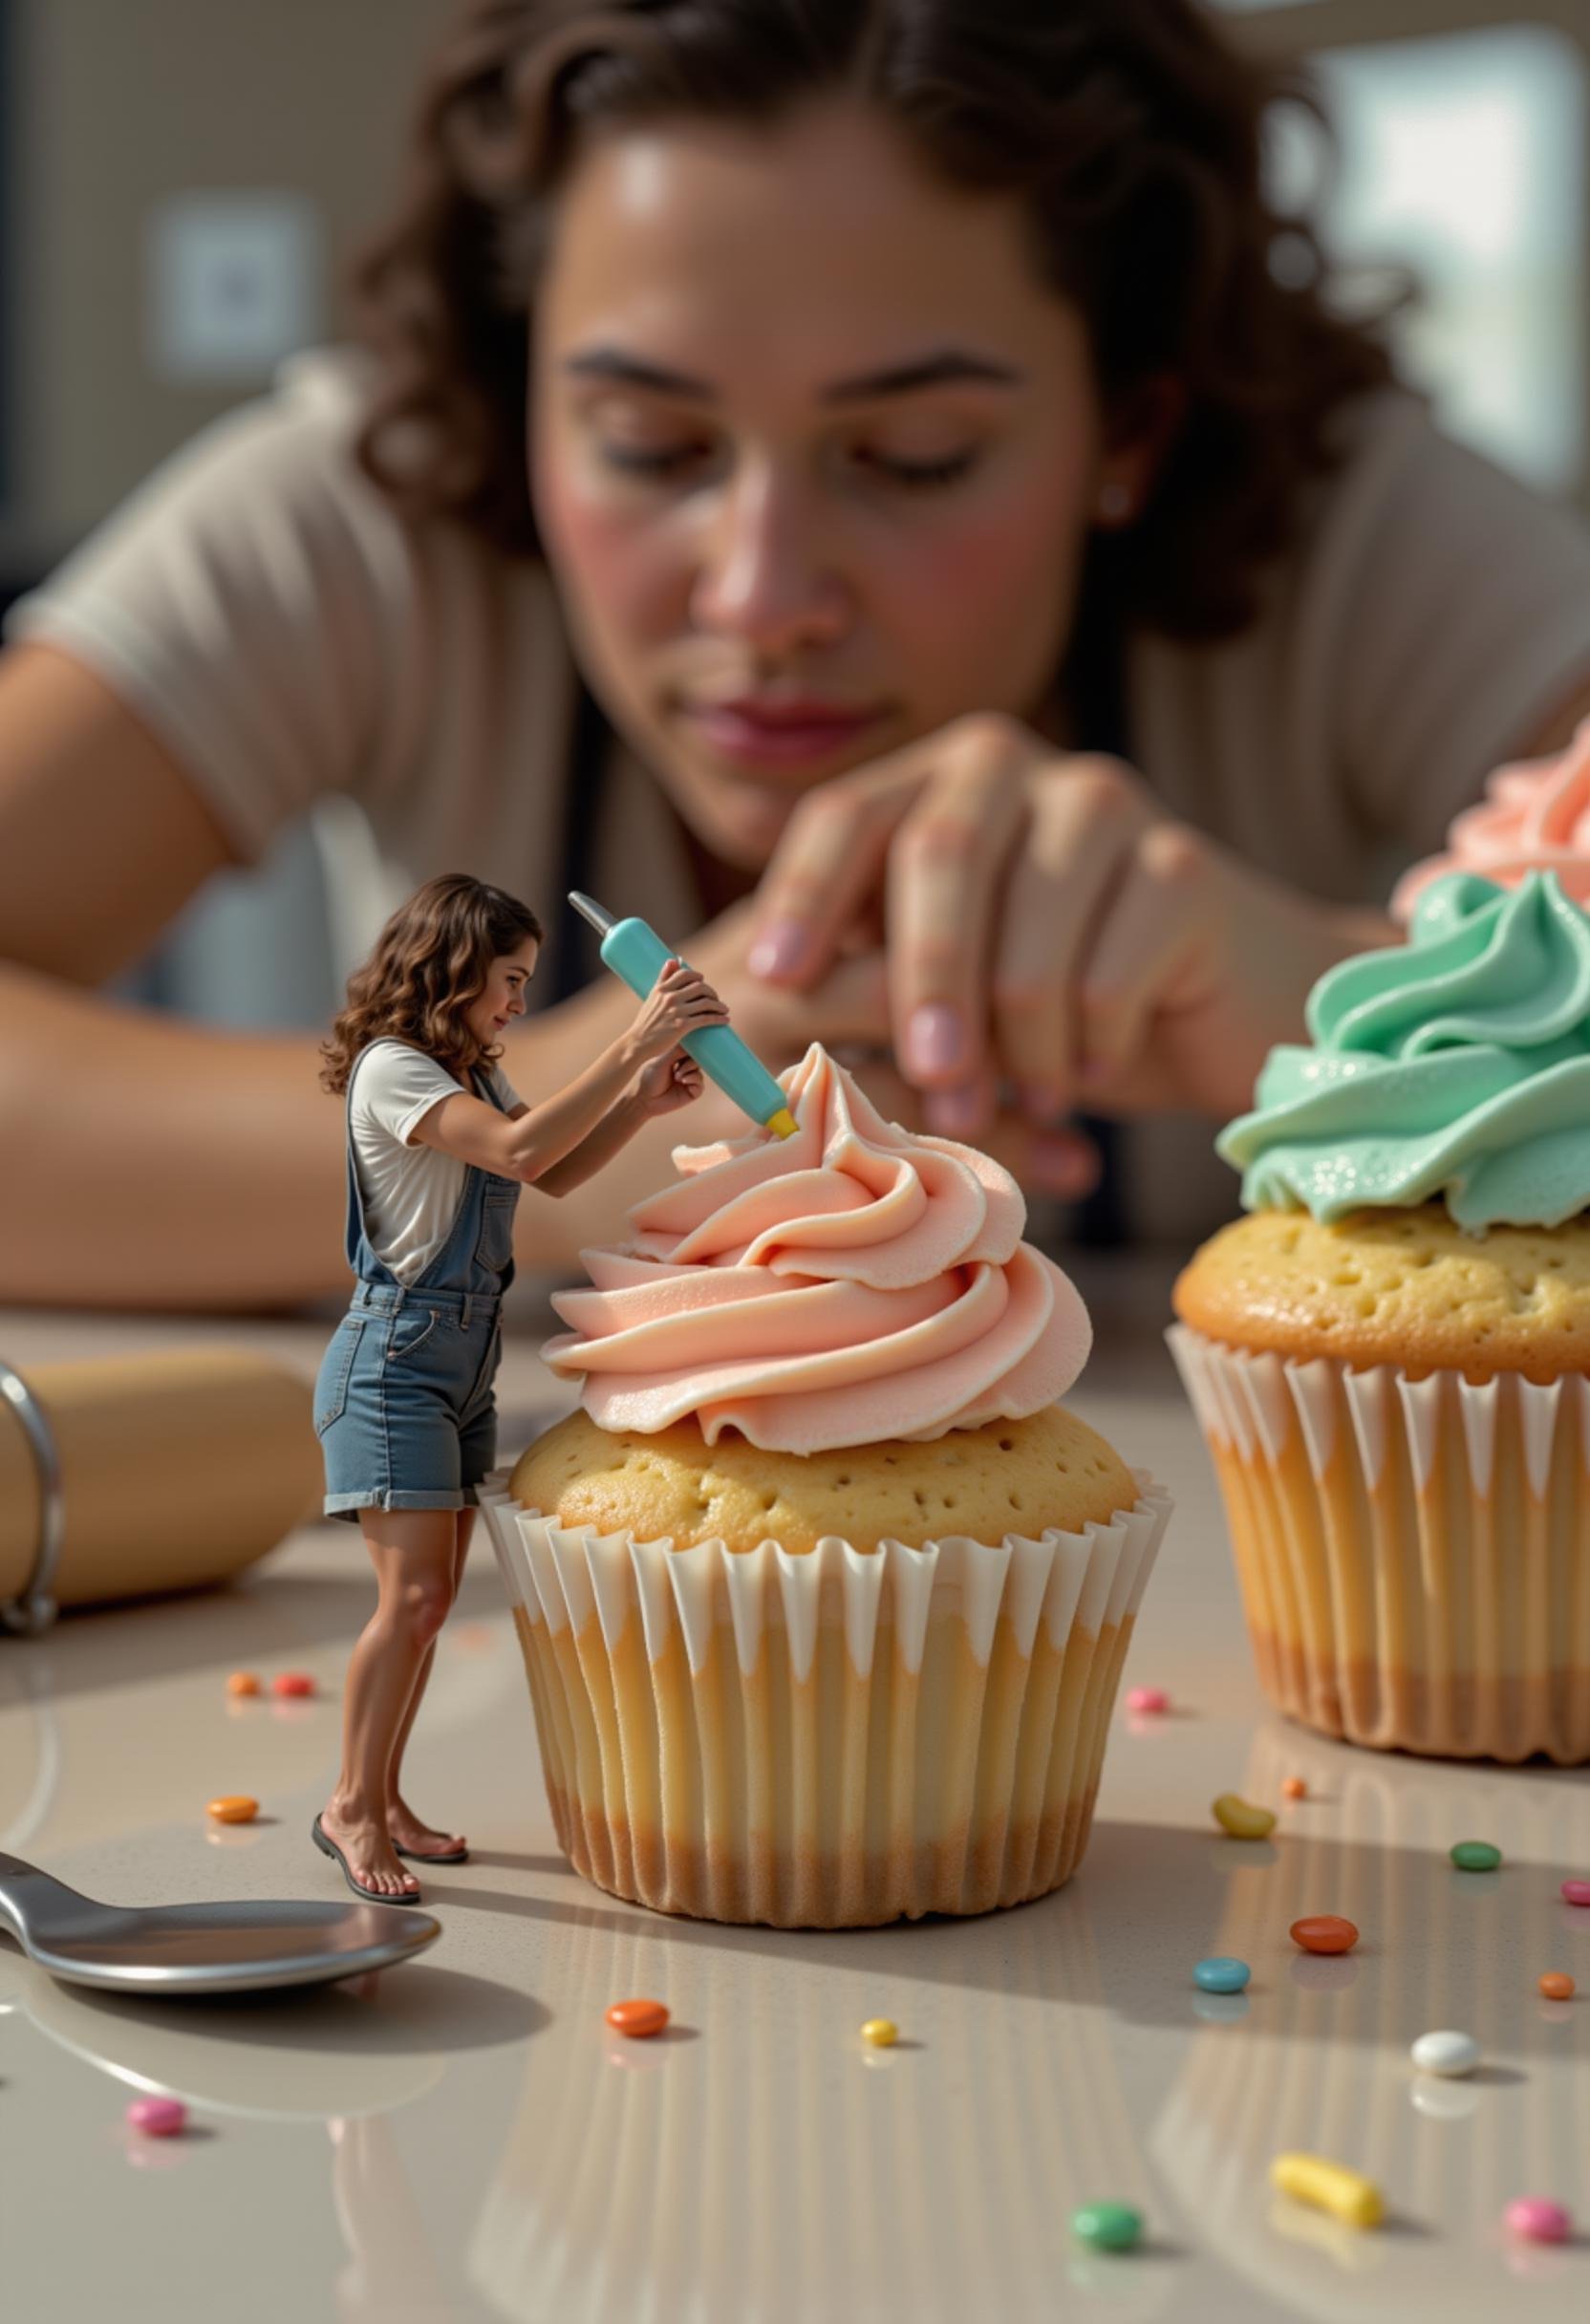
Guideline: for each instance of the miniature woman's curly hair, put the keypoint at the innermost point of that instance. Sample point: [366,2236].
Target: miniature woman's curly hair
[430,961]
[1132,130]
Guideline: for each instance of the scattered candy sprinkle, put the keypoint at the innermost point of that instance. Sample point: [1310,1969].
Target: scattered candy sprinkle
[1446,2052]
[1575,1893]
[881,2032]
[638,2019]
[1294,1788]
[1240,1820]
[1556,1985]
[1147,1698]
[1323,1932]
[1108,2227]
[1346,2194]
[1476,1855]
[1220,1974]
[157,2118]
[1539,2219]
[292,1682]
[235,1807]
[242,1682]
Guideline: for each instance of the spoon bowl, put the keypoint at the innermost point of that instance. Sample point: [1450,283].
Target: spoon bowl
[171,1951]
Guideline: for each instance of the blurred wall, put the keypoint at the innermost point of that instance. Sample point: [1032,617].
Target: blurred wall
[117,103]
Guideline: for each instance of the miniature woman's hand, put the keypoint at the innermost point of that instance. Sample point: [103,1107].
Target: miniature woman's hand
[681,1001]
[1045,922]
[669,1083]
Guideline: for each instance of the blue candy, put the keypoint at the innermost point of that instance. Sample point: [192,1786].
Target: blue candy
[1222,1974]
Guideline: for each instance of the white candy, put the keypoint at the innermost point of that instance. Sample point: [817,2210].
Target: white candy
[1446,2052]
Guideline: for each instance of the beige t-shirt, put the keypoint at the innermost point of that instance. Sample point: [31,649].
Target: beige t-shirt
[288,635]
[410,1194]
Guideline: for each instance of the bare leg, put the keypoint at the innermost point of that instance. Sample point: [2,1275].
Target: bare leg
[414,1551]
[402,1823]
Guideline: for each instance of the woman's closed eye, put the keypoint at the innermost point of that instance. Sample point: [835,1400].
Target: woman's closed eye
[667,462]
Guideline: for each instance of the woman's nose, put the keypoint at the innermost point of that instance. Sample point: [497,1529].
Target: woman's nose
[764,577]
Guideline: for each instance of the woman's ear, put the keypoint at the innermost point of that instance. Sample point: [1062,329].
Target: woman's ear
[1141,441]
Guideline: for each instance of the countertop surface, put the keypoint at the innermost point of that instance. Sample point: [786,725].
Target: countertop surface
[464,2139]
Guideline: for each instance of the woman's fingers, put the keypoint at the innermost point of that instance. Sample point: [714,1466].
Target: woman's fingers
[946,865]
[827,864]
[1139,952]
[1083,819]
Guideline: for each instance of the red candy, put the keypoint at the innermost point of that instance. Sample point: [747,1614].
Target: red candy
[1575,1893]
[1294,1788]
[1556,1985]
[1147,1698]
[1323,1932]
[638,2019]
[292,1682]
[157,2118]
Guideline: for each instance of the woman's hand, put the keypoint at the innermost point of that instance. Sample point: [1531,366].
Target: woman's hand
[668,1082]
[1047,924]
[681,1001]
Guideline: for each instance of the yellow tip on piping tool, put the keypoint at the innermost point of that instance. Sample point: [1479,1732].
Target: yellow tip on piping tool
[782,1124]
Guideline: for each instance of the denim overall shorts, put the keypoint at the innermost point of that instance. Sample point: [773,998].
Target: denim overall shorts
[403,1405]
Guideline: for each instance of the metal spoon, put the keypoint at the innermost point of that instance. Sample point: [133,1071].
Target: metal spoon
[166,1952]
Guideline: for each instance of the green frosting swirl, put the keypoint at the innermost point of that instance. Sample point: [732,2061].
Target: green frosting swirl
[1456,1066]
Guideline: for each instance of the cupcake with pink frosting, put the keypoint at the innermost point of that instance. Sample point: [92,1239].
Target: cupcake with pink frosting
[1535,817]
[822,1595]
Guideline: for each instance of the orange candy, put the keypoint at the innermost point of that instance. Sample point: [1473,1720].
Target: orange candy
[1294,1788]
[1323,1932]
[242,1682]
[236,1807]
[292,1682]
[638,2019]
[1556,1985]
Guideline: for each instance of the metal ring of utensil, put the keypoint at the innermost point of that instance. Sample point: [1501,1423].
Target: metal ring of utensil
[31,1613]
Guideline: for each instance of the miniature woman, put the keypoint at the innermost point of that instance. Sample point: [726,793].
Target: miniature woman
[438,1145]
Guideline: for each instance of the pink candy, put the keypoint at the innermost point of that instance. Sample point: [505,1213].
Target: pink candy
[1539,2219]
[157,2118]
[1147,1698]
[1575,1893]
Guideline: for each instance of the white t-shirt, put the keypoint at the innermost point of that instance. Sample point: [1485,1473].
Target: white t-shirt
[287,632]
[410,1193]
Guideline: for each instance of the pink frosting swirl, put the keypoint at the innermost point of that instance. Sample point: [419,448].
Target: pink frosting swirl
[1536,817]
[852,1282]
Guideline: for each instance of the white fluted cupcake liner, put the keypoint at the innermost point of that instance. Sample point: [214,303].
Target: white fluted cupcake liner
[828,1739]
[1413,1554]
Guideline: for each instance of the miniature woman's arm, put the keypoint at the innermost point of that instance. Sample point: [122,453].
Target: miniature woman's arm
[530,1142]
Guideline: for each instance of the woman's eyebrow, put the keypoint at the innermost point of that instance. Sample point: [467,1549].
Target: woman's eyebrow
[950,366]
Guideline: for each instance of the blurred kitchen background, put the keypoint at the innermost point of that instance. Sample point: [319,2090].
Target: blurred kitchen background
[181,184]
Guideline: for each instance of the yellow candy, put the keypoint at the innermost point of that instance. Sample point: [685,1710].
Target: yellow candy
[881,2032]
[1331,2186]
[1241,1820]
[235,1808]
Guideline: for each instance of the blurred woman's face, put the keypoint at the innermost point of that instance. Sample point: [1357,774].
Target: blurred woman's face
[814,454]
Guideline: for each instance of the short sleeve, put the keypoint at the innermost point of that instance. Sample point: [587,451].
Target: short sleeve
[1458,605]
[247,602]
[396,1088]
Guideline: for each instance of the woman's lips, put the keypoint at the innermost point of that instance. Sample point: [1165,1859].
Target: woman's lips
[777,737]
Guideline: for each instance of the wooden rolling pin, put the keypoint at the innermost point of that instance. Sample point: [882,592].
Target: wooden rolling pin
[177,1468]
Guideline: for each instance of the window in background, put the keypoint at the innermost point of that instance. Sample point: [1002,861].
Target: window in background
[1463,157]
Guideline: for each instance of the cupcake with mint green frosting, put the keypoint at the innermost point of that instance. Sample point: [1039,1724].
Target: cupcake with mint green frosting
[1390,1354]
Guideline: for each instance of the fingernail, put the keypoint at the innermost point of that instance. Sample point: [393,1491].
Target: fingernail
[954,1113]
[779,950]
[1041,1102]
[935,1040]
[1064,1166]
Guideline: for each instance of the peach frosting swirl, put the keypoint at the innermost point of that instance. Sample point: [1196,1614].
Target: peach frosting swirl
[852,1282]
[1536,817]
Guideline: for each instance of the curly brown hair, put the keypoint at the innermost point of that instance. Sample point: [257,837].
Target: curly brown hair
[1132,129]
[429,962]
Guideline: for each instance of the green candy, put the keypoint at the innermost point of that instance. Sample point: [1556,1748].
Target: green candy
[1476,1855]
[1108,2227]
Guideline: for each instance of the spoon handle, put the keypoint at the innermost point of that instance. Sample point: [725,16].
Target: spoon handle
[25,1890]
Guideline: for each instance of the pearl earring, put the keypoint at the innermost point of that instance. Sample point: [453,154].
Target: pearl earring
[1114,504]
